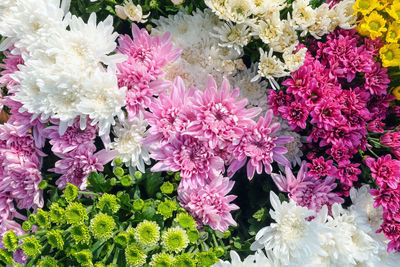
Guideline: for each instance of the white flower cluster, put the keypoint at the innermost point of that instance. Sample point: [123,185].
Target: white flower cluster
[256,260]
[63,76]
[347,237]
[262,19]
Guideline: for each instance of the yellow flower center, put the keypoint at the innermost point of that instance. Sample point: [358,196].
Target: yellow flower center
[374,25]
[393,35]
[389,55]
[364,4]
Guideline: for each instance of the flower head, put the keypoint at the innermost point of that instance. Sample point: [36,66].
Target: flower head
[147,233]
[31,246]
[162,259]
[174,239]
[54,238]
[108,202]
[135,255]
[75,213]
[131,11]
[102,226]
[385,170]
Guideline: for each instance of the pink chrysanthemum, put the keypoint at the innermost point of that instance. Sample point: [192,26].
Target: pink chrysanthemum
[385,170]
[10,66]
[146,57]
[169,113]
[209,204]
[221,119]
[320,168]
[191,156]
[391,139]
[305,190]
[259,144]
[377,80]
[72,138]
[76,166]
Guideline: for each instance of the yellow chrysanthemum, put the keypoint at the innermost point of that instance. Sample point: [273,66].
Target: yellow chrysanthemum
[393,33]
[394,10]
[383,3]
[390,55]
[375,24]
[396,92]
[361,29]
[365,6]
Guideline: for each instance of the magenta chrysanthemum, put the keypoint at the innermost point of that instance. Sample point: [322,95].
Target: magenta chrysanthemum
[385,170]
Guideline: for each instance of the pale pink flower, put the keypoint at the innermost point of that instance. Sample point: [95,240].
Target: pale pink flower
[209,204]
[221,118]
[261,146]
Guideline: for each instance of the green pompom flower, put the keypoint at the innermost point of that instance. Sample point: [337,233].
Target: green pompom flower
[6,257]
[32,218]
[131,235]
[185,220]
[206,258]
[219,251]
[138,175]
[162,260]
[57,214]
[126,180]
[84,257]
[122,239]
[55,239]
[138,204]
[108,202]
[167,188]
[42,218]
[174,239]
[80,234]
[166,208]
[10,241]
[135,256]
[26,226]
[31,246]
[118,161]
[119,171]
[71,192]
[185,260]
[147,233]
[193,235]
[47,262]
[75,213]
[102,226]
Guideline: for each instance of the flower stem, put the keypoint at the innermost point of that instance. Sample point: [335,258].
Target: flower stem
[88,193]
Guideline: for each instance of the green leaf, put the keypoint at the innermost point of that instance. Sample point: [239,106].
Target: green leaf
[152,182]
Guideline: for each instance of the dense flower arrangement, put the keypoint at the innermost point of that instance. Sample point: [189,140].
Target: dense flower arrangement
[199,133]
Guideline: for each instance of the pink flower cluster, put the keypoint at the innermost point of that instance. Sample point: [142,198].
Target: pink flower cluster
[392,140]
[341,92]
[200,132]
[305,190]
[386,172]
[76,149]
[146,56]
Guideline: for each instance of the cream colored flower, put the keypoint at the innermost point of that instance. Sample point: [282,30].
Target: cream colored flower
[294,61]
[131,11]
[345,14]
[303,14]
[325,21]
[233,35]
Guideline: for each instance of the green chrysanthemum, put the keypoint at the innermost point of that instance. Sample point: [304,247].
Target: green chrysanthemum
[55,239]
[47,262]
[193,235]
[126,180]
[135,255]
[32,218]
[75,213]
[131,235]
[166,208]
[71,192]
[80,234]
[167,188]
[108,203]
[57,214]
[184,260]
[26,226]
[122,239]
[102,226]
[42,218]
[185,220]
[174,239]
[10,241]
[31,246]
[162,260]
[119,171]
[138,204]
[6,257]
[206,258]
[84,257]
[147,233]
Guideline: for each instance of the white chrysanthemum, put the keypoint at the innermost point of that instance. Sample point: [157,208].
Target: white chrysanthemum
[128,142]
[270,67]
[30,22]
[325,21]
[238,11]
[234,36]
[94,41]
[265,7]
[257,260]
[303,14]
[345,16]
[255,92]
[294,61]
[292,238]
[131,11]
